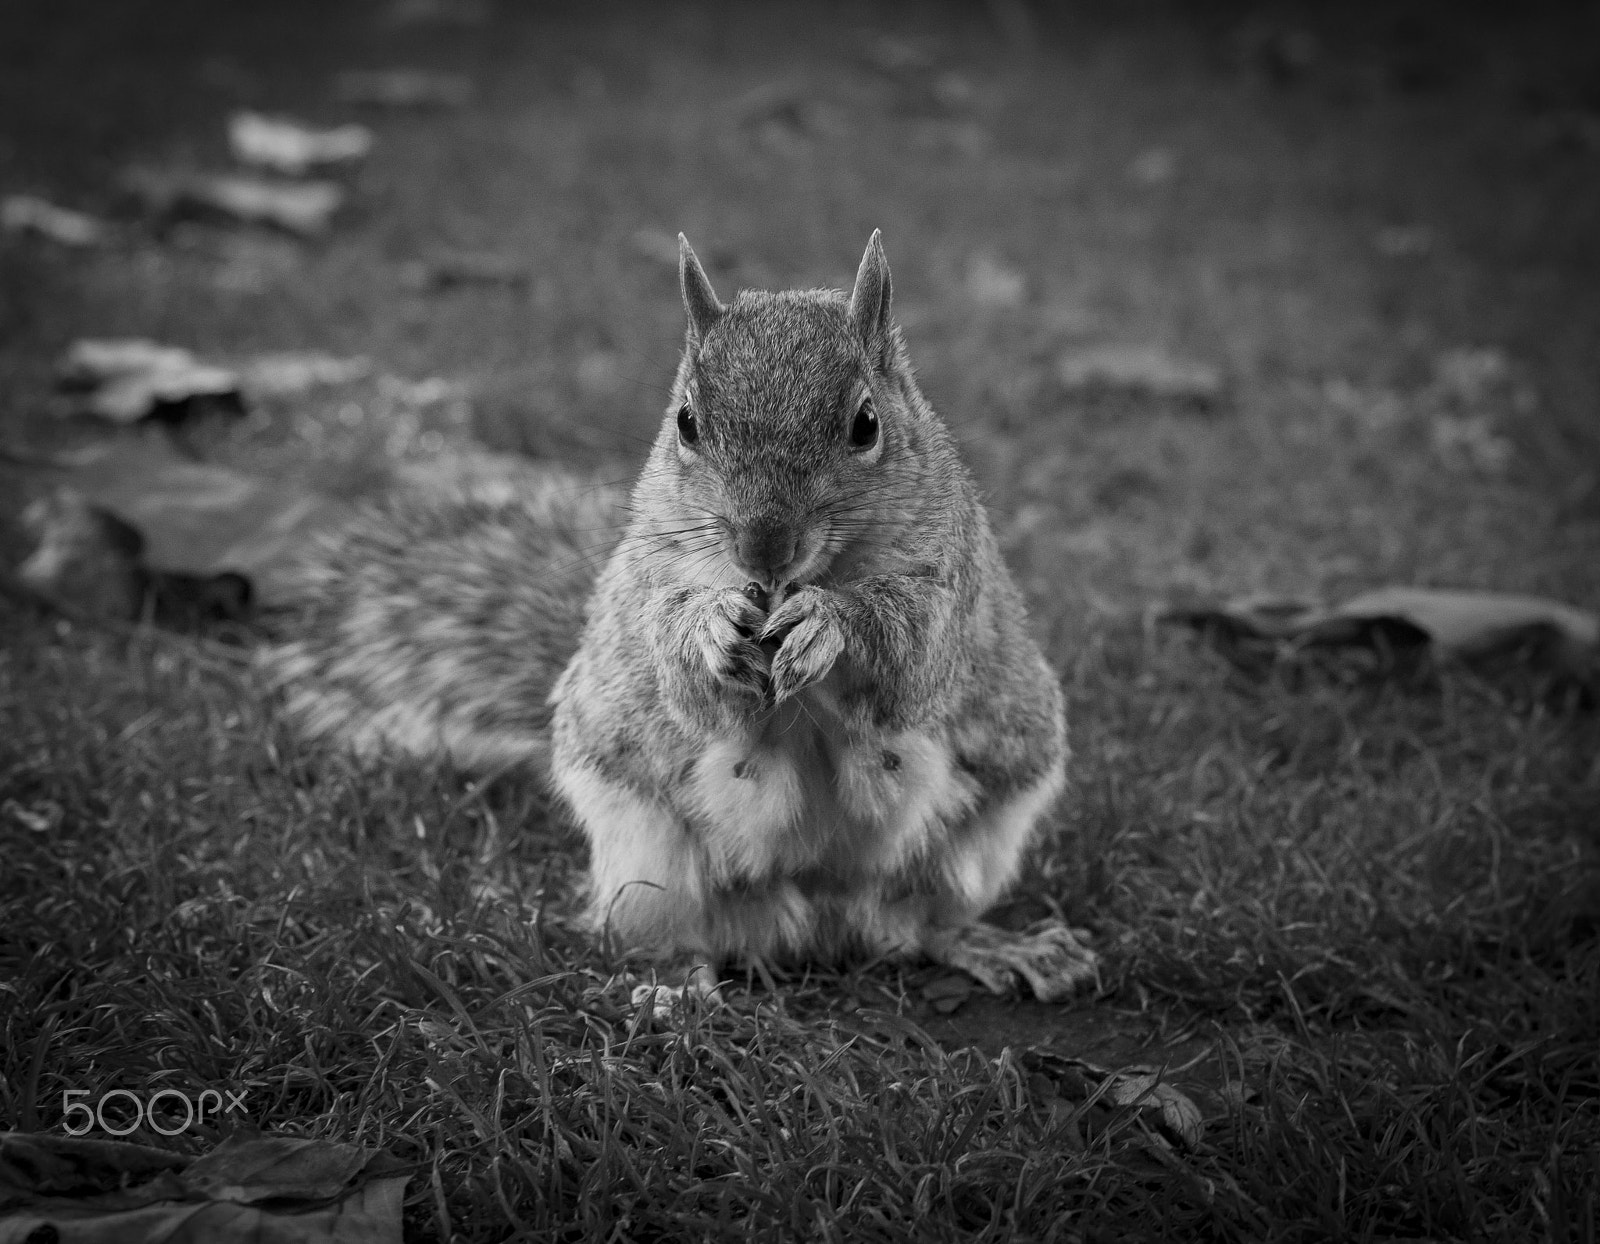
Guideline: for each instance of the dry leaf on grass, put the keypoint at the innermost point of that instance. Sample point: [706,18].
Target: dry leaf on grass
[92,361]
[1139,1086]
[130,379]
[27,213]
[251,1169]
[79,1191]
[1456,623]
[304,208]
[287,146]
[82,557]
[1143,371]
[39,1165]
[1179,1115]
[192,520]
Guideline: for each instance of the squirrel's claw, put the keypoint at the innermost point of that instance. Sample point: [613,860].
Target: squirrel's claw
[742,665]
[700,986]
[1053,959]
[806,628]
[727,645]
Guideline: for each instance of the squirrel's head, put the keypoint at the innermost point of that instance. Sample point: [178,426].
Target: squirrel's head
[792,422]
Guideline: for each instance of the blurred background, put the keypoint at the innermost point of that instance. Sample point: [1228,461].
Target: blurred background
[1217,296]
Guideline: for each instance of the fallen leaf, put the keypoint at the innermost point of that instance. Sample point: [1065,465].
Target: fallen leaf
[287,146]
[259,1168]
[273,1190]
[129,379]
[403,88]
[1042,1087]
[93,361]
[1466,623]
[1459,624]
[369,1215]
[82,556]
[1067,1075]
[201,520]
[44,1165]
[1143,370]
[304,208]
[300,207]
[1179,1115]
[26,213]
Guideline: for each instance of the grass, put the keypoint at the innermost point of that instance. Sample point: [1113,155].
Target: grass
[1353,909]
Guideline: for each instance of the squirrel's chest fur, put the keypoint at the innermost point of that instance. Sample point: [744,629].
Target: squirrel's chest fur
[798,797]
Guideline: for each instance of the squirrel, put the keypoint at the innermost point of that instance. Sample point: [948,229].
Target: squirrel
[798,715]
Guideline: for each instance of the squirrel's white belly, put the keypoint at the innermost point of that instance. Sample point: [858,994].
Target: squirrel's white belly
[799,797]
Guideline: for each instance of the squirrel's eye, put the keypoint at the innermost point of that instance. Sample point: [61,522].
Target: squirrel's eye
[688,425]
[864,427]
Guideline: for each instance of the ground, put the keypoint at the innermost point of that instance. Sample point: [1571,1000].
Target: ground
[1351,908]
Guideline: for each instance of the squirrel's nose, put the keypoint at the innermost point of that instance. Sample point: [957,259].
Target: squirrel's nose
[765,546]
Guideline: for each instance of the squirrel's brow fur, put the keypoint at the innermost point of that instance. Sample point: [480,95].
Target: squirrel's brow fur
[796,342]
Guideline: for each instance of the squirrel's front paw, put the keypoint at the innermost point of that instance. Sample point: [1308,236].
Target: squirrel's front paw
[807,629]
[725,634]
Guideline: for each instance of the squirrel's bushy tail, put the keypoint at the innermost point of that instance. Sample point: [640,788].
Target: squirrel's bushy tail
[435,621]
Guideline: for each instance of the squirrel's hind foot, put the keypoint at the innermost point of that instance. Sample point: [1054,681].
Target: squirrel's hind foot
[1053,959]
[700,986]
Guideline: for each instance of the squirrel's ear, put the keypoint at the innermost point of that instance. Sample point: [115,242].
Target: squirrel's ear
[869,301]
[699,299]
